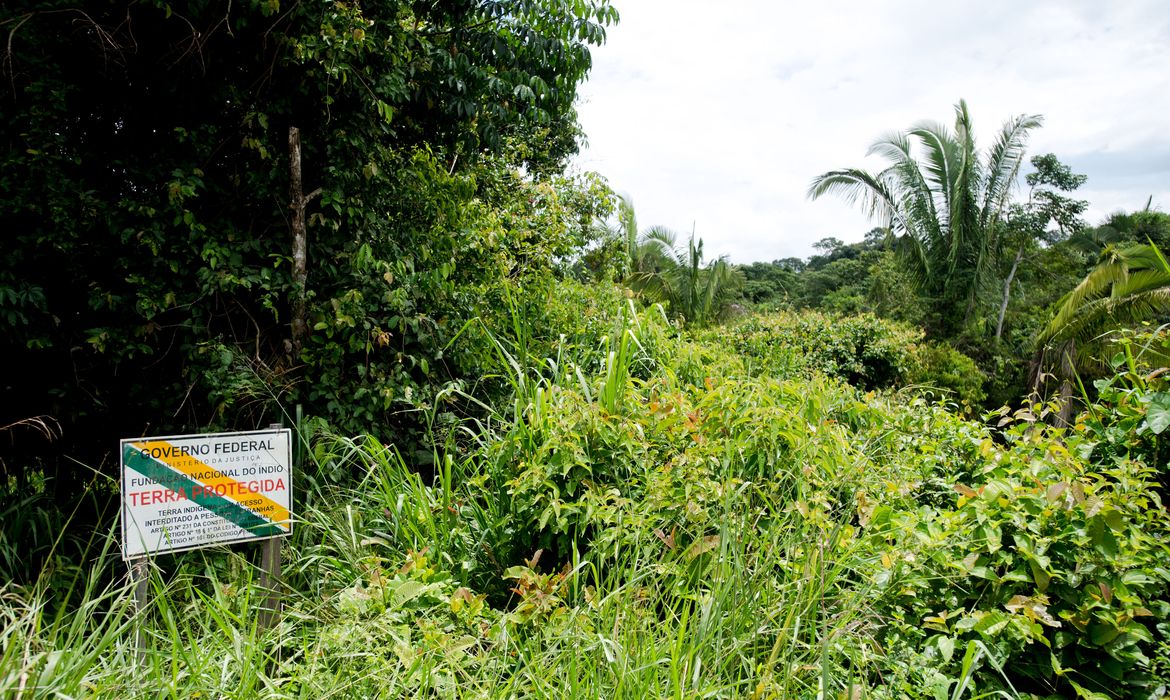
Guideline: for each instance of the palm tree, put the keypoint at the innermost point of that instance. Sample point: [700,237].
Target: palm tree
[697,293]
[628,228]
[1128,285]
[943,205]
[638,255]
[616,251]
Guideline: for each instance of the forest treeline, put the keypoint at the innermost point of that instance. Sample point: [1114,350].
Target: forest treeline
[866,277]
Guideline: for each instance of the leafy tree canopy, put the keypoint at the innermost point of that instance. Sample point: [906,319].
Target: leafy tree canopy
[144,192]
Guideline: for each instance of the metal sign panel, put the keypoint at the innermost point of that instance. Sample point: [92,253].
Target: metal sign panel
[183,492]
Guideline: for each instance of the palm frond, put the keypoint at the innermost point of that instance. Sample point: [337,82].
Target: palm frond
[1124,283]
[940,158]
[894,147]
[627,218]
[656,243]
[651,284]
[907,179]
[1003,164]
[858,187]
[1140,280]
[628,225]
[910,250]
[963,131]
[1099,317]
[918,205]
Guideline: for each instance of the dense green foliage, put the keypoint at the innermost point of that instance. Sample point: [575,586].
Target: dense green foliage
[695,291]
[147,283]
[1127,286]
[864,350]
[845,278]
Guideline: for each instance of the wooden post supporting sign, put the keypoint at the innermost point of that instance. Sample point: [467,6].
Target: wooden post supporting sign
[270,576]
[140,575]
[270,582]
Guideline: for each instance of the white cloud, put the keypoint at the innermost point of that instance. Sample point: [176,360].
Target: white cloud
[717,116]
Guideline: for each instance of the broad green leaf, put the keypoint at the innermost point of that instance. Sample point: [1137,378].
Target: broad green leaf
[1041,576]
[1087,694]
[991,623]
[409,590]
[1102,633]
[946,647]
[1158,412]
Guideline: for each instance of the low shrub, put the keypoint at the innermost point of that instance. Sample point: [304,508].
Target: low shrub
[1048,555]
[654,515]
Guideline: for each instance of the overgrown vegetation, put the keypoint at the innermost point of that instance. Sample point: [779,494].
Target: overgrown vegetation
[656,515]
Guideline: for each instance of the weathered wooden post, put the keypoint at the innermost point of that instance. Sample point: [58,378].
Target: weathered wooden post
[270,575]
[140,575]
[270,582]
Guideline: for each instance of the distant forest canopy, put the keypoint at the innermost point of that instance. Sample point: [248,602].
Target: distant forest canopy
[866,277]
[837,276]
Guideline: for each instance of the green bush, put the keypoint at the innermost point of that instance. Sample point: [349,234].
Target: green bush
[864,350]
[643,517]
[939,366]
[1047,556]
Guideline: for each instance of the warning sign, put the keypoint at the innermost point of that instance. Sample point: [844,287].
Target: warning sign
[188,491]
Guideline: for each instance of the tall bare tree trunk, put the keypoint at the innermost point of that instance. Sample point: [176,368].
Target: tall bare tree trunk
[300,243]
[1007,289]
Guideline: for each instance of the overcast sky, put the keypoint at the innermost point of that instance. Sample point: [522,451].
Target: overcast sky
[717,115]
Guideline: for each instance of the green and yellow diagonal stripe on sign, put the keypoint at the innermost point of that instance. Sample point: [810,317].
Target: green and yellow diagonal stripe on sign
[209,491]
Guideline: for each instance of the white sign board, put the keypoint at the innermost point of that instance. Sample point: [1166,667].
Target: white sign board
[188,491]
